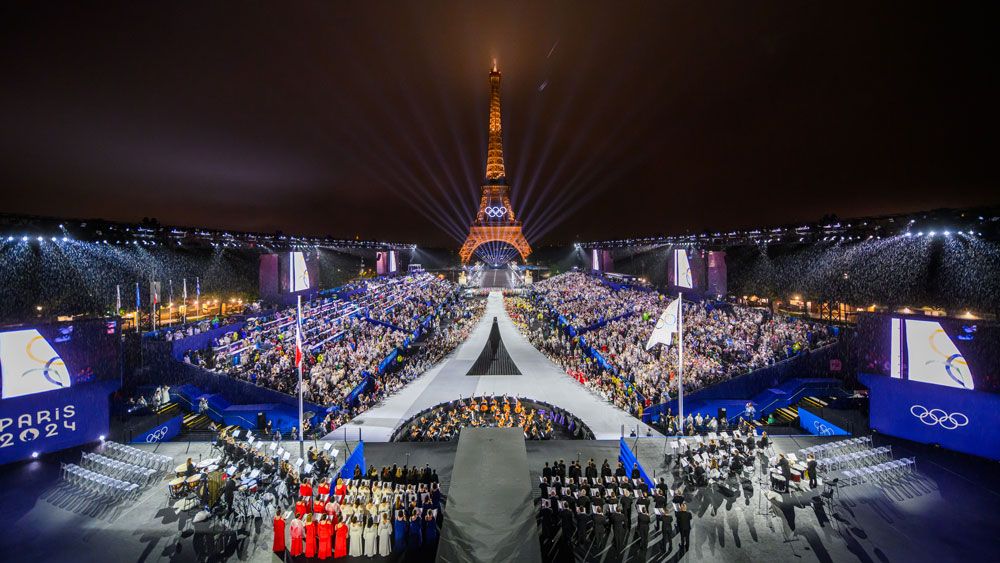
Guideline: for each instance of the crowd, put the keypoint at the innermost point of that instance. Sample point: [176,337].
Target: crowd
[345,341]
[445,333]
[721,340]
[444,422]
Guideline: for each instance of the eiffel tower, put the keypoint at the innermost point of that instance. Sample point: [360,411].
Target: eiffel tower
[495,221]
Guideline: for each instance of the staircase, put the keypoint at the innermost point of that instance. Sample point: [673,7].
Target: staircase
[789,416]
[168,410]
[196,426]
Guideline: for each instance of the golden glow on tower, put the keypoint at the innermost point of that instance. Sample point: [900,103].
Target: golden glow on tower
[496,221]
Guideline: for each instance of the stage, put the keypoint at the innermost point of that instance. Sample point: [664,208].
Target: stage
[947,513]
[541,380]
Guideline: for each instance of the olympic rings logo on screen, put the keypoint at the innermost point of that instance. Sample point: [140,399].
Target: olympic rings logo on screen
[932,417]
[157,436]
[495,212]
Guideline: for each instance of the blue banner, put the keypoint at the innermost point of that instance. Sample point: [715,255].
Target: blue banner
[819,426]
[953,418]
[51,421]
[357,458]
[161,432]
[628,458]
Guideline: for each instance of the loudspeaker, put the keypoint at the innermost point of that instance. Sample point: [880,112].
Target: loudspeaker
[261,421]
[722,414]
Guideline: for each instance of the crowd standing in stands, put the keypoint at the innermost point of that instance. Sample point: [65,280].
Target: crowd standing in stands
[345,341]
[721,340]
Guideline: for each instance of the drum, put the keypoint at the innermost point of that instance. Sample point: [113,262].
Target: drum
[176,487]
[180,470]
[193,482]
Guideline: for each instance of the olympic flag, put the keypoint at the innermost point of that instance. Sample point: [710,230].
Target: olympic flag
[666,326]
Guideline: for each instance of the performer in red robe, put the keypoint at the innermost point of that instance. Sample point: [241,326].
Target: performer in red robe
[325,540]
[324,488]
[300,509]
[340,549]
[340,490]
[310,539]
[278,546]
[305,489]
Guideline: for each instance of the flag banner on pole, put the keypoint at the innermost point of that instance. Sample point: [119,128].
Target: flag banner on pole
[298,336]
[118,299]
[138,303]
[154,293]
[666,325]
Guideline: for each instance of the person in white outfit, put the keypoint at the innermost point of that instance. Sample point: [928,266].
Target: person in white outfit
[371,539]
[355,547]
[384,535]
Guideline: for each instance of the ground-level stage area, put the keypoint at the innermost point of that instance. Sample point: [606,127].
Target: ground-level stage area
[539,379]
[944,512]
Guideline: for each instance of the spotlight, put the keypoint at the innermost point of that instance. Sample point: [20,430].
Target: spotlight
[932,233]
[101,437]
[39,239]
[34,455]
[65,239]
[24,239]
[947,233]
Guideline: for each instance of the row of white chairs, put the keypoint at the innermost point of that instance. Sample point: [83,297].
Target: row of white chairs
[135,456]
[881,472]
[856,459]
[142,476]
[830,449]
[101,486]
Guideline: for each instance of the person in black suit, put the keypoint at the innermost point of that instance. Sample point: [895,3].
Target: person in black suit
[581,525]
[591,471]
[567,525]
[635,471]
[600,527]
[229,491]
[642,529]
[618,527]
[684,526]
[811,465]
[626,507]
[620,470]
[605,469]
[546,471]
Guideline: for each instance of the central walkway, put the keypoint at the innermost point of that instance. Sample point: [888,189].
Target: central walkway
[541,380]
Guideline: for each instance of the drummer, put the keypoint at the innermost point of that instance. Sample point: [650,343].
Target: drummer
[189,469]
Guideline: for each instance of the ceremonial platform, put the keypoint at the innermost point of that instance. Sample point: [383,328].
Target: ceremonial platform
[540,379]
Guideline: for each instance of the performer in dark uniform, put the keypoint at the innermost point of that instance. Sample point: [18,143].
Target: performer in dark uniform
[811,465]
[684,526]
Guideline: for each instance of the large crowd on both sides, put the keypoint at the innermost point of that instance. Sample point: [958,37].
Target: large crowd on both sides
[721,340]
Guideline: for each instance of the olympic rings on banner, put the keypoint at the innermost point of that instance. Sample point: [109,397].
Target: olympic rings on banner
[939,417]
[157,436]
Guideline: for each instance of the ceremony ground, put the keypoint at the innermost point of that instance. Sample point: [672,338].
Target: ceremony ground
[540,380]
[947,513]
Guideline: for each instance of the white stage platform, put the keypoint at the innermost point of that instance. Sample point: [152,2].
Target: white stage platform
[541,380]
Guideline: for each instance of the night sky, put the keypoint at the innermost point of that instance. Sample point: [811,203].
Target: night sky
[620,119]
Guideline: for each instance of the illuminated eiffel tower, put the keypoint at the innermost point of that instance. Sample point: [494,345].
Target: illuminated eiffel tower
[495,221]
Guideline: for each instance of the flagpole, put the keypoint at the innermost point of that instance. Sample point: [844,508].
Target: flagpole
[680,359]
[298,331]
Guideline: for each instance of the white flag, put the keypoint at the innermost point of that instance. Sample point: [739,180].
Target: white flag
[666,326]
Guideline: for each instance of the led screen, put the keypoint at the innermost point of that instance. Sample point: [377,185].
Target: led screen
[946,352]
[682,269]
[298,273]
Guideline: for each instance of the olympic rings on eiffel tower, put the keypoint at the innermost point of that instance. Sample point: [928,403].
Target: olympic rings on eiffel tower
[495,212]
